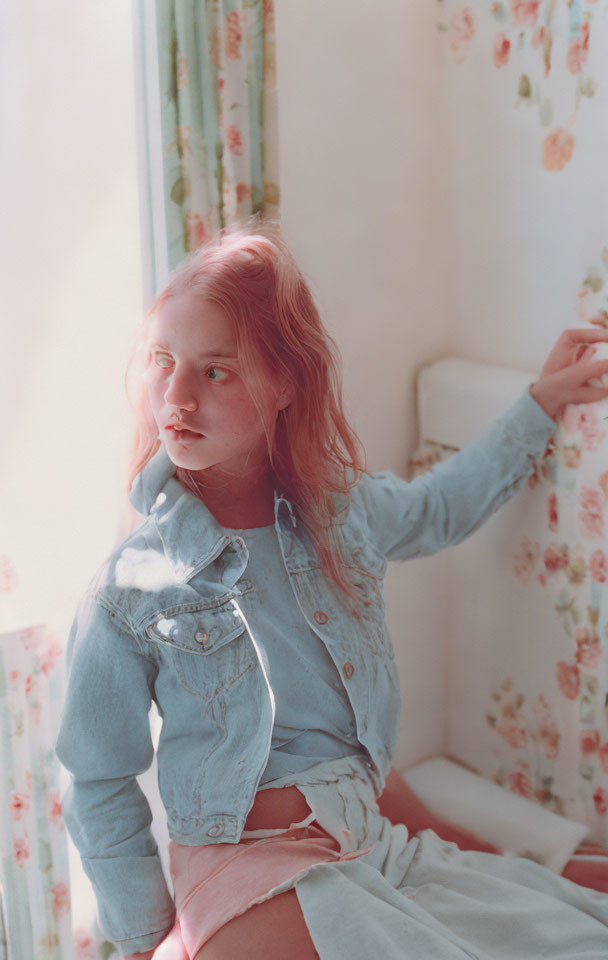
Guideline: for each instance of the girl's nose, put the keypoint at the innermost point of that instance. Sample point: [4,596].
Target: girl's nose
[179,394]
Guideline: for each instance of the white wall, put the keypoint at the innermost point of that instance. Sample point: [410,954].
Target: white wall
[72,295]
[362,154]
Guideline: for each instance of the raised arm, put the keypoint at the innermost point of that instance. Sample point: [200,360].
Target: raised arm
[444,506]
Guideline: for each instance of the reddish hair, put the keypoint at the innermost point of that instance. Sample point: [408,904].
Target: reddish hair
[247,269]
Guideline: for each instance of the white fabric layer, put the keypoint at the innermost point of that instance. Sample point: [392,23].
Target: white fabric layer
[422,898]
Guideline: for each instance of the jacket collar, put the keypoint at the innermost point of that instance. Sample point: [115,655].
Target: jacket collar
[191,536]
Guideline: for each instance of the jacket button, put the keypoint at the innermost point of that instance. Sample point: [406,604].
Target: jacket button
[201,637]
[320,616]
[216,831]
[348,669]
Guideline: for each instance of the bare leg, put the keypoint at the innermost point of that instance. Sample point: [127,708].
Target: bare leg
[273,929]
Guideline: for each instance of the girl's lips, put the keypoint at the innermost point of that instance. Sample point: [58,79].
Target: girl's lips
[183,435]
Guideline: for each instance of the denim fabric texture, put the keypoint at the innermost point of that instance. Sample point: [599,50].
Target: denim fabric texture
[165,619]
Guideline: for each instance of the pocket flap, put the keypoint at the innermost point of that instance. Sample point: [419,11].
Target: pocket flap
[196,631]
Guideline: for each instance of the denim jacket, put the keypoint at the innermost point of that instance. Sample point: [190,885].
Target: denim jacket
[165,619]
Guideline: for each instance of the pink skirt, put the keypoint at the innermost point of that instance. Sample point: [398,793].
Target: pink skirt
[214,883]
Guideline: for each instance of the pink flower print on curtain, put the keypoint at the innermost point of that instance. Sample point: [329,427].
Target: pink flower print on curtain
[541,46]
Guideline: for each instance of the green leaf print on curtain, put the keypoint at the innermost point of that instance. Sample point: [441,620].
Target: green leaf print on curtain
[218,116]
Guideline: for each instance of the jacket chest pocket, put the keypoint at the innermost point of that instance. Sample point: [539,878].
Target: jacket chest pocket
[208,648]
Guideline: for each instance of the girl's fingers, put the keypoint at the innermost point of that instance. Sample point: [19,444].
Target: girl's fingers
[589,395]
[586,335]
[583,340]
[582,371]
[594,368]
[568,354]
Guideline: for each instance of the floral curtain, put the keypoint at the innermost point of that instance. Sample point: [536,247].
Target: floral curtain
[217,80]
[35,918]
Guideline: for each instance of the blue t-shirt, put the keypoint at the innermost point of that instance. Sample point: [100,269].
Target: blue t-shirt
[299,663]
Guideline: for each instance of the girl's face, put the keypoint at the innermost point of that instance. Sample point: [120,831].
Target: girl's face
[194,370]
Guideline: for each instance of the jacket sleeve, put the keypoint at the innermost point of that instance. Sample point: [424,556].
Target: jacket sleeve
[446,505]
[104,741]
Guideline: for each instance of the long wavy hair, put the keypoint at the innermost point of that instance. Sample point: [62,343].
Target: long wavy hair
[248,270]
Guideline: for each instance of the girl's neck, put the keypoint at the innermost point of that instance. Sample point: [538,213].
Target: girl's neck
[240,503]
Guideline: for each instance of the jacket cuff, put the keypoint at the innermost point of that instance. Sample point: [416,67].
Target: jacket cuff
[140,944]
[135,909]
[527,425]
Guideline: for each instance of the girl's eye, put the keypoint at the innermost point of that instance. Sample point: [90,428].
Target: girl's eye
[218,373]
[158,358]
[218,370]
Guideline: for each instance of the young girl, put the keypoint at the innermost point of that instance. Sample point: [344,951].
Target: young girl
[248,605]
